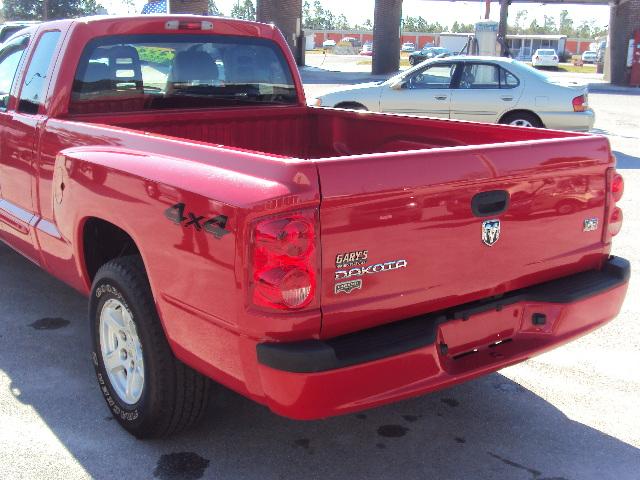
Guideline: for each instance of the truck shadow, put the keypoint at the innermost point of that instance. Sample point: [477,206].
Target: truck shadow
[319,76]
[626,162]
[489,428]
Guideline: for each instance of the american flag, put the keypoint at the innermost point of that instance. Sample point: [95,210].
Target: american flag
[159,6]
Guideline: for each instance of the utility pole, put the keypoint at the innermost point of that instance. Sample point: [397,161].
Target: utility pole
[487,9]
[45,10]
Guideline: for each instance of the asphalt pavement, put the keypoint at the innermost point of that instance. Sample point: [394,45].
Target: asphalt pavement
[569,414]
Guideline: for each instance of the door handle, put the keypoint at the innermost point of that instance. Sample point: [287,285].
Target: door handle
[441,97]
[493,202]
[507,98]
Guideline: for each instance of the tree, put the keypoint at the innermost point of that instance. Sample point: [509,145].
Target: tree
[33,9]
[566,24]
[549,26]
[521,17]
[317,18]
[244,10]
[462,27]
[342,23]
[213,9]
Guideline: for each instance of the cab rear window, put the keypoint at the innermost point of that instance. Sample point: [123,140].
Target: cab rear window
[149,72]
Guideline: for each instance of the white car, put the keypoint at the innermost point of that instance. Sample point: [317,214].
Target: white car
[408,47]
[545,57]
[328,44]
[589,56]
[482,89]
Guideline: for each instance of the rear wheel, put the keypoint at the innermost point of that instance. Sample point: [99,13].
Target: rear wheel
[522,119]
[412,61]
[148,390]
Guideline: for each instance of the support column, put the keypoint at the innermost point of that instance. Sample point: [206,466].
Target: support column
[287,16]
[502,26]
[624,18]
[196,7]
[386,36]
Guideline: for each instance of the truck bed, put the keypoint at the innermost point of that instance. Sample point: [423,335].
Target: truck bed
[314,133]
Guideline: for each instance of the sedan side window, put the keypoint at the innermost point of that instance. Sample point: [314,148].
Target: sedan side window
[433,77]
[10,57]
[480,76]
[508,80]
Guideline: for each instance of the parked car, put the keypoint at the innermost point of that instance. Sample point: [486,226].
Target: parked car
[9,28]
[315,260]
[589,56]
[350,41]
[408,47]
[367,49]
[426,53]
[545,57]
[483,89]
[329,43]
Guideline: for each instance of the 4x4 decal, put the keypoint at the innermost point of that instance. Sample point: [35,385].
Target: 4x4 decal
[215,226]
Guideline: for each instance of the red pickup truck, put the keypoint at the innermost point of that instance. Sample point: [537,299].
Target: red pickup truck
[318,261]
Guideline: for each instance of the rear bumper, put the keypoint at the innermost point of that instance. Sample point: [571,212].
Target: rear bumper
[574,121]
[545,62]
[314,378]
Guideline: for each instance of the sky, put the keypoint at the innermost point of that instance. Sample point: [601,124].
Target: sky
[444,12]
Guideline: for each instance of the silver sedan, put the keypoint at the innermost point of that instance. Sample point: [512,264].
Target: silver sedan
[482,89]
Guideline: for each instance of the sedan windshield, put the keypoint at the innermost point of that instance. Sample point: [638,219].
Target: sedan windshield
[142,72]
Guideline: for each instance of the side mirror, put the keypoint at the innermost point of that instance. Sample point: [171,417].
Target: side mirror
[399,85]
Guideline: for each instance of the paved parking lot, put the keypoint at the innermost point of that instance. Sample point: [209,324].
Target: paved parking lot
[569,414]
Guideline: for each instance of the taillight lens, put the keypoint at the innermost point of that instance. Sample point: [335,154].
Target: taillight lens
[283,261]
[615,221]
[579,103]
[615,188]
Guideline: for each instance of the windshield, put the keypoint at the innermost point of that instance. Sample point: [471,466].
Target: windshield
[143,72]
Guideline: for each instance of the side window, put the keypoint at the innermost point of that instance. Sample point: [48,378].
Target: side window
[508,80]
[433,77]
[480,76]
[35,82]
[10,57]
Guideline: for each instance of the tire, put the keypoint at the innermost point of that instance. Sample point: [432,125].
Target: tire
[351,106]
[164,395]
[522,119]
[412,61]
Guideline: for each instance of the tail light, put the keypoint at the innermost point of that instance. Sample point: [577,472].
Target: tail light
[284,270]
[615,189]
[188,25]
[579,103]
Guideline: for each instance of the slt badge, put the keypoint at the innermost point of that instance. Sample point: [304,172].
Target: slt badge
[490,232]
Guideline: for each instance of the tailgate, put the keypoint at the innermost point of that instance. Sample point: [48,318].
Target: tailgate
[400,237]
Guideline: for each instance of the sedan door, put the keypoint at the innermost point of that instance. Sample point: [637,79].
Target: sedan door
[425,91]
[484,92]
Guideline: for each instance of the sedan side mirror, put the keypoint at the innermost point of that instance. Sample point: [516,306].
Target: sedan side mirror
[399,85]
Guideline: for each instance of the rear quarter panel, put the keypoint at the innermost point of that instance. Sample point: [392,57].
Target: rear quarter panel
[199,281]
